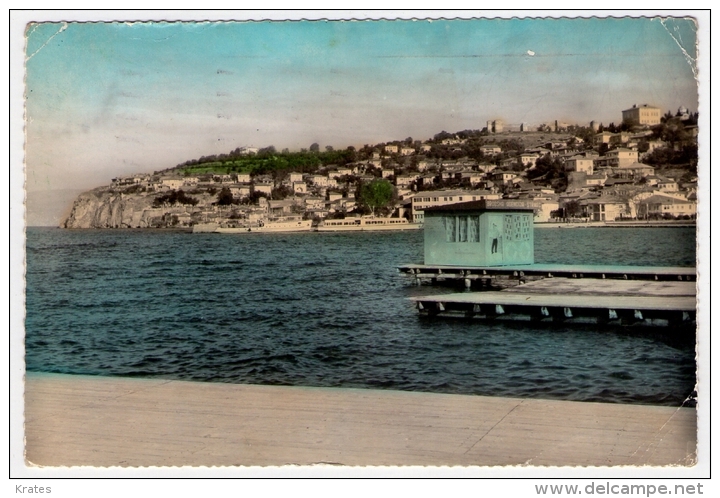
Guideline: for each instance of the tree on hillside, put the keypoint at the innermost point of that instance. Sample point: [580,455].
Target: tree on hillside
[281,192]
[376,194]
[225,197]
[315,147]
[442,136]
[551,167]
[174,197]
[267,151]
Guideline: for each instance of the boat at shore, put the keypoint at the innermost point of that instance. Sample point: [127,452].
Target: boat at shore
[366,224]
[260,227]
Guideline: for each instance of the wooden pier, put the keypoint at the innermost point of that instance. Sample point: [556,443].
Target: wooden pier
[519,272]
[572,301]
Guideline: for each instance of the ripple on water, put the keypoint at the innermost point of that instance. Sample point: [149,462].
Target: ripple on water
[328,310]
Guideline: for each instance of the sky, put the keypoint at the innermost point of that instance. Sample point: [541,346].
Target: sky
[110,99]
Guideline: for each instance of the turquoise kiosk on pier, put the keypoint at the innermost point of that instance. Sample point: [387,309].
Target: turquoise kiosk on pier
[480,233]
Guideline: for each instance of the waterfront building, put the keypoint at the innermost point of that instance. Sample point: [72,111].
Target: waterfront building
[480,233]
[605,209]
[664,205]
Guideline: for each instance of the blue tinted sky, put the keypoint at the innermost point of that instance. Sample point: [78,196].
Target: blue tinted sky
[106,99]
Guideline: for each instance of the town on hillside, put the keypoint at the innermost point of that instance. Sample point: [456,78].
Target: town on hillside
[643,169]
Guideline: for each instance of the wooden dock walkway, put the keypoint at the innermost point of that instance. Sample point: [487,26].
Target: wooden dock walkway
[435,272]
[103,421]
[625,302]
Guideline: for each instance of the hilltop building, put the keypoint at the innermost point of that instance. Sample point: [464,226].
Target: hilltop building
[643,115]
[495,126]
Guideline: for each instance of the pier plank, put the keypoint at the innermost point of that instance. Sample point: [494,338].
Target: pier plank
[572,286]
[100,421]
[624,302]
[586,270]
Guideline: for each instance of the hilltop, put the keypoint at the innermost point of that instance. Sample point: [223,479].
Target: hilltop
[564,170]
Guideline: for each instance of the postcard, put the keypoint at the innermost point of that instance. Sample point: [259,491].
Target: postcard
[454,244]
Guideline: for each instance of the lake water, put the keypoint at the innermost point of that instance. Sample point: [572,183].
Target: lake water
[327,309]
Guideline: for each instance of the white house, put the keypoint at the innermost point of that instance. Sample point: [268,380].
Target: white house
[503,176]
[225,179]
[584,164]
[173,183]
[528,159]
[334,196]
[405,180]
[665,205]
[319,180]
[314,203]
[265,188]
[490,149]
[391,149]
[240,191]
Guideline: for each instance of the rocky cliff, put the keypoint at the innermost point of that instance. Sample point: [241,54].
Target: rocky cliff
[101,208]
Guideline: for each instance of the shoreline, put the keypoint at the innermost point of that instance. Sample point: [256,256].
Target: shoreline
[543,224]
[616,224]
[73,420]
